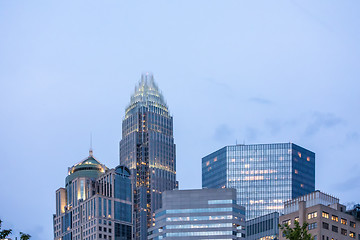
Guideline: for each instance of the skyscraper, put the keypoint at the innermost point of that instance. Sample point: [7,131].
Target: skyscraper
[96,203]
[147,148]
[264,175]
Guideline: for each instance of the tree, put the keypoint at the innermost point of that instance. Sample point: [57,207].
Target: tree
[24,236]
[296,233]
[4,233]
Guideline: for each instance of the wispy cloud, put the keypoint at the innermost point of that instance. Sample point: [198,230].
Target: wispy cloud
[322,121]
[262,101]
[223,133]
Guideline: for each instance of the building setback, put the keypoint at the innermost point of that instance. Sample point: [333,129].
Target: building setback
[327,218]
[96,203]
[199,214]
[147,148]
[264,175]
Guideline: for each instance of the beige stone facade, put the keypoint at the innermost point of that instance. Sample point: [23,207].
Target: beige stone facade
[327,218]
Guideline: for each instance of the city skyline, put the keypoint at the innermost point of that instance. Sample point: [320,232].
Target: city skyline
[253,72]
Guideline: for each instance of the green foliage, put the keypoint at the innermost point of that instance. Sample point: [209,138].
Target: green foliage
[4,233]
[24,236]
[296,233]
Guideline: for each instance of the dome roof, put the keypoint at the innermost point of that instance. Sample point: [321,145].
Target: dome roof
[89,167]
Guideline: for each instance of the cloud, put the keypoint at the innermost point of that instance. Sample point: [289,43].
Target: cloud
[251,134]
[262,101]
[223,133]
[322,121]
[352,137]
[275,126]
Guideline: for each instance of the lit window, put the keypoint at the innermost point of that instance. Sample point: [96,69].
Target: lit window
[207,163]
[296,219]
[352,224]
[287,222]
[325,215]
[343,221]
[299,154]
[352,234]
[308,159]
[302,185]
[334,218]
[296,171]
[312,215]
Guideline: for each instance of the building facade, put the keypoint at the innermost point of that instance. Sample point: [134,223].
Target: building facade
[264,175]
[263,228]
[147,148]
[327,218]
[96,203]
[199,214]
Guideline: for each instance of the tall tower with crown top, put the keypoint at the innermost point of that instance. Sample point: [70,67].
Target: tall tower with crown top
[147,148]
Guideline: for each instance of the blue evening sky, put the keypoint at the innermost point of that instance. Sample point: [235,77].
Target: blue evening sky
[254,71]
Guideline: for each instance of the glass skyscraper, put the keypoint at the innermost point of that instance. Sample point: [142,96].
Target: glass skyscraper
[264,175]
[147,148]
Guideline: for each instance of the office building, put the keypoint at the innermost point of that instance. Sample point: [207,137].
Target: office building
[264,175]
[96,203]
[199,214]
[327,218]
[263,228]
[147,148]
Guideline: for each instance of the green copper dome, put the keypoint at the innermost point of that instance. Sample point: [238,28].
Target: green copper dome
[89,167]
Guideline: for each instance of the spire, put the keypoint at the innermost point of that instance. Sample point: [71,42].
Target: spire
[90,150]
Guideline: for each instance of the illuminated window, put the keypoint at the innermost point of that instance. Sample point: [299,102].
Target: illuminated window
[215,159]
[343,221]
[308,159]
[247,166]
[344,232]
[334,218]
[287,222]
[299,154]
[352,234]
[296,219]
[296,171]
[312,215]
[325,215]
[207,163]
[302,185]
[352,224]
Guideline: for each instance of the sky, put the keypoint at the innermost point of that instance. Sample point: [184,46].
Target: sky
[232,71]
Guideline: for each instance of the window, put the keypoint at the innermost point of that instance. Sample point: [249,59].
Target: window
[352,224]
[296,219]
[325,225]
[325,215]
[312,215]
[100,235]
[100,228]
[352,234]
[334,228]
[344,232]
[287,222]
[343,221]
[312,226]
[334,218]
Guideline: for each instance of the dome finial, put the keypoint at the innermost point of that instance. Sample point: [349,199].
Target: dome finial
[90,150]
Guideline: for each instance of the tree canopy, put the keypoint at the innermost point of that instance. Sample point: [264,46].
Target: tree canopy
[296,233]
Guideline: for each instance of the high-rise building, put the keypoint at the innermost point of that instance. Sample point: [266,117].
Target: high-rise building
[264,175]
[96,203]
[147,148]
[327,218]
[199,214]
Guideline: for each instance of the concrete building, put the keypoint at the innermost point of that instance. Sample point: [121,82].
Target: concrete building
[147,148]
[96,203]
[199,214]
[263,228]
[327,218]
[264,175]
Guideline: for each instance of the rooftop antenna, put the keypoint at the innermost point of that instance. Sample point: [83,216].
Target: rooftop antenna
[90,150]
